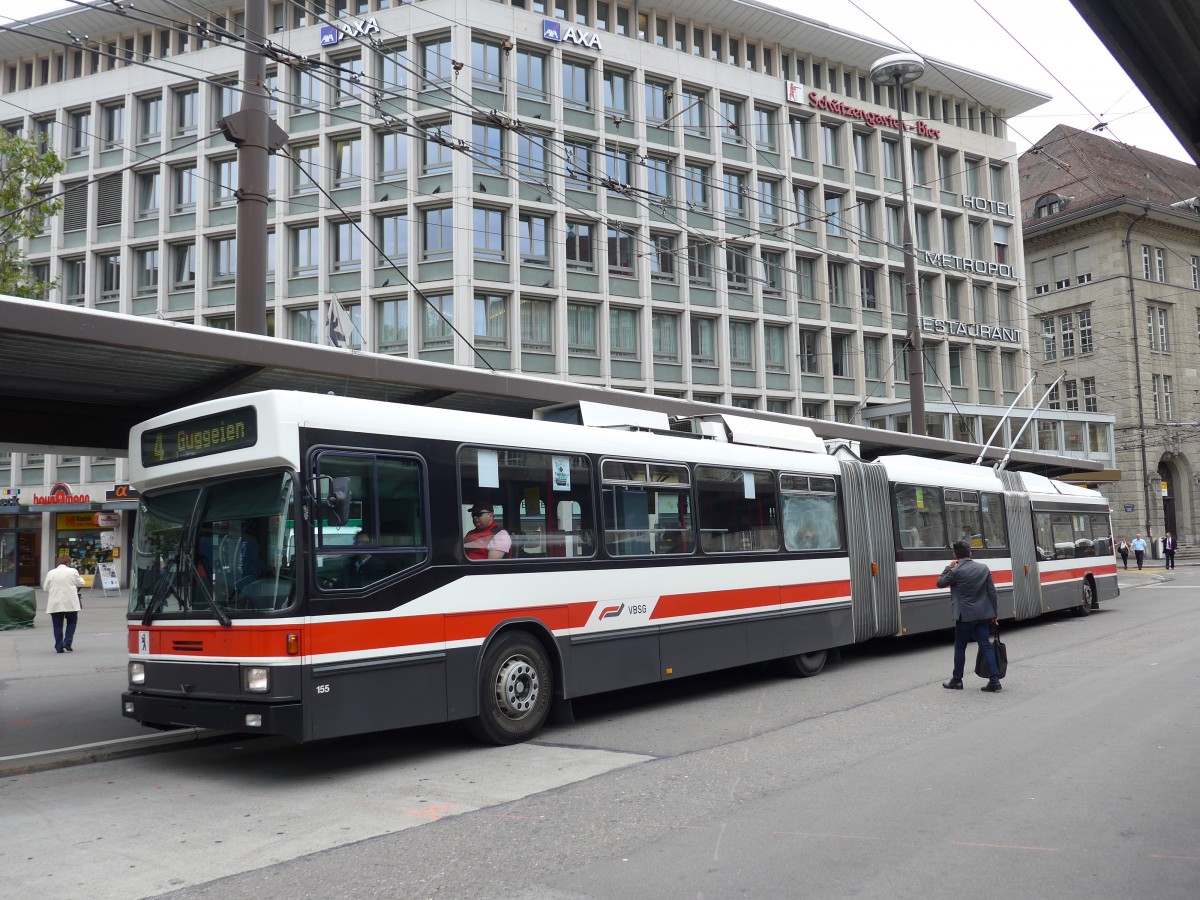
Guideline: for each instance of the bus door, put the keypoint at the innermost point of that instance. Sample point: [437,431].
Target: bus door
[872,546]
[1027,590]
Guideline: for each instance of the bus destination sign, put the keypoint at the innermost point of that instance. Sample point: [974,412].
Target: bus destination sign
[226,431]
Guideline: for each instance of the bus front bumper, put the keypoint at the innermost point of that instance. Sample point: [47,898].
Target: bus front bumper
[157,711]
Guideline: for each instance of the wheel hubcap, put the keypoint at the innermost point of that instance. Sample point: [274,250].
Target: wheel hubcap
[516,687]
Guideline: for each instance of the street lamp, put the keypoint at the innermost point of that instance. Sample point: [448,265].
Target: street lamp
[898,70]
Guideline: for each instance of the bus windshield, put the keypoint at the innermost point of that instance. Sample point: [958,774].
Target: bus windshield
[224,550]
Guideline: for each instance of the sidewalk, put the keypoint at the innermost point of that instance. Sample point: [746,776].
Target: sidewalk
[61,707]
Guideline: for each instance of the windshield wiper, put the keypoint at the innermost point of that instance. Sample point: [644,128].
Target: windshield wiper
[210,599]
[159,594]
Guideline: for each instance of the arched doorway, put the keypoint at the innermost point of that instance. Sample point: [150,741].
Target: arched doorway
[1168,476]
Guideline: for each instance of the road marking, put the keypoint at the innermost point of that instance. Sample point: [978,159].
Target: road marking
[1004,847]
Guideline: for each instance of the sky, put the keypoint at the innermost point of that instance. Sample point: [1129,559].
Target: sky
[1051,50]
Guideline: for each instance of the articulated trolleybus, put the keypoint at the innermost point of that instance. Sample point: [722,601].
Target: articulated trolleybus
[315,566]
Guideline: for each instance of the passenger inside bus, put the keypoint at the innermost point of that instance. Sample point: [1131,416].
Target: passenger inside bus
[486,539]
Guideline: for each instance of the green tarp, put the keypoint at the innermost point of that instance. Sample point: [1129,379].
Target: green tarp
[18,606]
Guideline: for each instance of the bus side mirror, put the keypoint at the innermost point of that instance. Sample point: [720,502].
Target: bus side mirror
[332,499]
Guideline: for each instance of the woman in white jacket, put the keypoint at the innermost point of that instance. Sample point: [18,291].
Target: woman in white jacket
[62,583]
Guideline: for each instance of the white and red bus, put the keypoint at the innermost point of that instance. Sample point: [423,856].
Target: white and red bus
[299,561]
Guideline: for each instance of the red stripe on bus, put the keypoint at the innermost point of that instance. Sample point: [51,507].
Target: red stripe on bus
[676,605]
[1073,574]
[910,583]
[255,642]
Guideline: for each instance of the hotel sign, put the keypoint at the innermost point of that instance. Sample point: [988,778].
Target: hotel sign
[982,204]
[952,328]
[965,264]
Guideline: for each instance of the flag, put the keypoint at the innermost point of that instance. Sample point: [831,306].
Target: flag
[338,326]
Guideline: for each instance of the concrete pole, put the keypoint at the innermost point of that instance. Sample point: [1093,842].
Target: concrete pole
[916,353]
[253,133]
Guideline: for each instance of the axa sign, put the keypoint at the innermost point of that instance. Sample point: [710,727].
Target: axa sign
[554,31]
[331,34]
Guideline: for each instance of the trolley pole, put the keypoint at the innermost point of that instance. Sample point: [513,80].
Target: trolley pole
[256,136]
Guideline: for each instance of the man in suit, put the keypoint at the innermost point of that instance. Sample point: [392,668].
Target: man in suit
[358,569]
[973,605]
[1169,549]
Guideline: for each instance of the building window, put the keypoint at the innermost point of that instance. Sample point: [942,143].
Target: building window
[183,266]
[347,162]
[623,332]
[837,284]
[775,345]
[1000,242]
[491,320]
[658,179]
[149,119]
[75,281]
[437,321]
[306,93]
[487,150]
[862,152]
[580,250]
[1049,338]
[306,250]
[225,181]
[764,128]
[700,264]
[537,325]
[148,194]
[80,125]
[187,112]
[393,154]
[184,179]
[347,247]
[581,329]
[437,233]
[658,103]
[840,346]
[392,326]
[1196,272]
[304,325]
[489,233]
[831,154]
[1160,264]
[664,336]
[704,341]
[394,66]
[741,344]
[694,119]
[436,156]
[1164,343]
[393,239]
[833,215]
[695,184]
[1008,371]
[535,250]
[531,157]
[224,260]
[531,74]
[1156,390]
[1067,335]
[1084,320]
[772,276]
[487,59]
[436,64]
[616,94]
[873,357]
[806,282]
[801,148]
[578,165]
[983,365]
[112,128]
[737,268]
[731,120]
[900,361]
[620,251]
[734,193]
[1168,409]
[306,162]
[577,85]
[891,159]
[1040,276]
[145,264]
[808,353]
[662,257]
[1145,262]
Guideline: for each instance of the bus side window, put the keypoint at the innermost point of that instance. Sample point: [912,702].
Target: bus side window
[541,501]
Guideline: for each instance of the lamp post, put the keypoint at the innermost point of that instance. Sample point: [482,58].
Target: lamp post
[898,70]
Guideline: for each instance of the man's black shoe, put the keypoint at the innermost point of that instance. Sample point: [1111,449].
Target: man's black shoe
[992,687]
[954,684]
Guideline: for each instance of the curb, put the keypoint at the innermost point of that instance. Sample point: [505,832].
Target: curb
[44,760]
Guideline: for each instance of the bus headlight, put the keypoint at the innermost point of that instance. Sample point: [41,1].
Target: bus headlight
[137,673]
[257,679]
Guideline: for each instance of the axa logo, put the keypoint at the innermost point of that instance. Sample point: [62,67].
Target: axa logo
[611,612]
[553,31]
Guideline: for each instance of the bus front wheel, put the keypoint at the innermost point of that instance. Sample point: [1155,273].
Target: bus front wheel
[516,687]
[1088,599]
[804,665]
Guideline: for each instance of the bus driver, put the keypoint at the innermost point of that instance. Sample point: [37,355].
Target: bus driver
[486,539]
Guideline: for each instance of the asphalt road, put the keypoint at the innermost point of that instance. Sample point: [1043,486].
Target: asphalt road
[1081,779]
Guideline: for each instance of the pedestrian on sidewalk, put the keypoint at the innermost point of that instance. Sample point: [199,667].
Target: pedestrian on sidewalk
[1169,549]
[1139,549]
[1123,549]
[973,605]
[62,583]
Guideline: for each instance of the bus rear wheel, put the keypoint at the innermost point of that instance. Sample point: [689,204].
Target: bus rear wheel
[516,686]
[803,665]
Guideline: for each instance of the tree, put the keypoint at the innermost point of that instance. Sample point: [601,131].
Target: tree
[26,175]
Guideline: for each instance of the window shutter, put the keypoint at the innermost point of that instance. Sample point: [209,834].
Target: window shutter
[108,200]
[75,207]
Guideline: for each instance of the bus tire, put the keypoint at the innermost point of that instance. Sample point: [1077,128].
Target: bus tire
[803,665]
[516,688]
[1087,600]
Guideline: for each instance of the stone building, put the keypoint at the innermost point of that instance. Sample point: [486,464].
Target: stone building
[1112,255]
